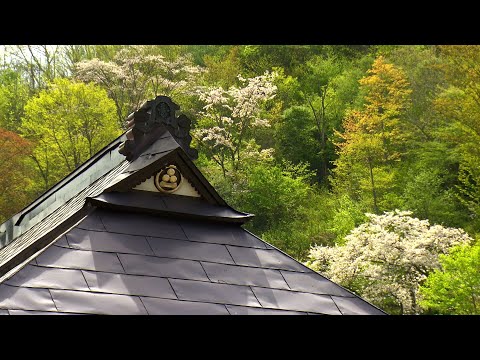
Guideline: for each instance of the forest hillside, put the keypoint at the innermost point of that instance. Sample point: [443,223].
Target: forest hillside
[361,161]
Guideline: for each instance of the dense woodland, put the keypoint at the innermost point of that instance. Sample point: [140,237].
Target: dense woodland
[363,162]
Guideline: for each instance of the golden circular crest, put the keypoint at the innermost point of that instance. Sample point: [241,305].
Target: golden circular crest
[168,179]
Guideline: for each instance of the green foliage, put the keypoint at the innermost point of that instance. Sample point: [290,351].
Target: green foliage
[256,59]
[426,197]
[455,288]
[289,89]
[276,195]
[301,147]
[469,191]
[423,70]
[68,123]
[15,173]
[223,69]
[347,215]
[352,128]
[280,197]
[374,137]
[13,97]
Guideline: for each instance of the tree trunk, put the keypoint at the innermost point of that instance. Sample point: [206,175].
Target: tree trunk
[320,131]
[43,173]
[323,143]
[374,192]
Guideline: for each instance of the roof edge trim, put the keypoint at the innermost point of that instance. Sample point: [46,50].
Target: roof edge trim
[235,217]
[45,240]
[64,182]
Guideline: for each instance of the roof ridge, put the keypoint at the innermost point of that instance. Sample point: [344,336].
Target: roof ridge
[71,185]
[149,123]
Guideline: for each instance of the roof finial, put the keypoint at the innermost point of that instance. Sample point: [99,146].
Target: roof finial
[150,122]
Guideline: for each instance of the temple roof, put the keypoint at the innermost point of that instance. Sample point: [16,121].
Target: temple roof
[141,231]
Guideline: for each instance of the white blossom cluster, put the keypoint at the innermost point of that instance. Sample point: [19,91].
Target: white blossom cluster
[215,137]
[248,98]
[234,111]
[388,257]
[137,74]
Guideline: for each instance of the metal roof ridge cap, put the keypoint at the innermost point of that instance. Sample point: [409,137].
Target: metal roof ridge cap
[66,180]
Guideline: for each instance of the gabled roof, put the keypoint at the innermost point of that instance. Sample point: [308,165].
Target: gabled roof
[94,244]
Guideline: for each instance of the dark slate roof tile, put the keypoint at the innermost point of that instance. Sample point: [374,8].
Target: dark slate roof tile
[264,258]
[44,277]
[92,222]
[142,224]
[162,267]
[28,312]
[109,242]
[12,297]
[289,300]
[94,303]
[240,275]
[62,241]
[175,307]
[244,238]
[313,283]
[167,143]
[220,234]
[190,250]
[355,306]
[129,284]
[56,256]
[219,293]
[148,159]
[244,310]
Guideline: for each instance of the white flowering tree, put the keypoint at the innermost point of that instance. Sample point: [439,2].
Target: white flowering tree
[387,258]
[138,73]
[230,118]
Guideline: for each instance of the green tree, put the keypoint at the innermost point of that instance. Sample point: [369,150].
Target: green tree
[39,64]
[283,203]
[13,97]
[68,123]
[325,88]
[295,137]
[457,107]
[426,196]
[455,288]
[318,94]
[15,173]
[373,137]
[423,68]
[256,59]
[223,67]
[274,194]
